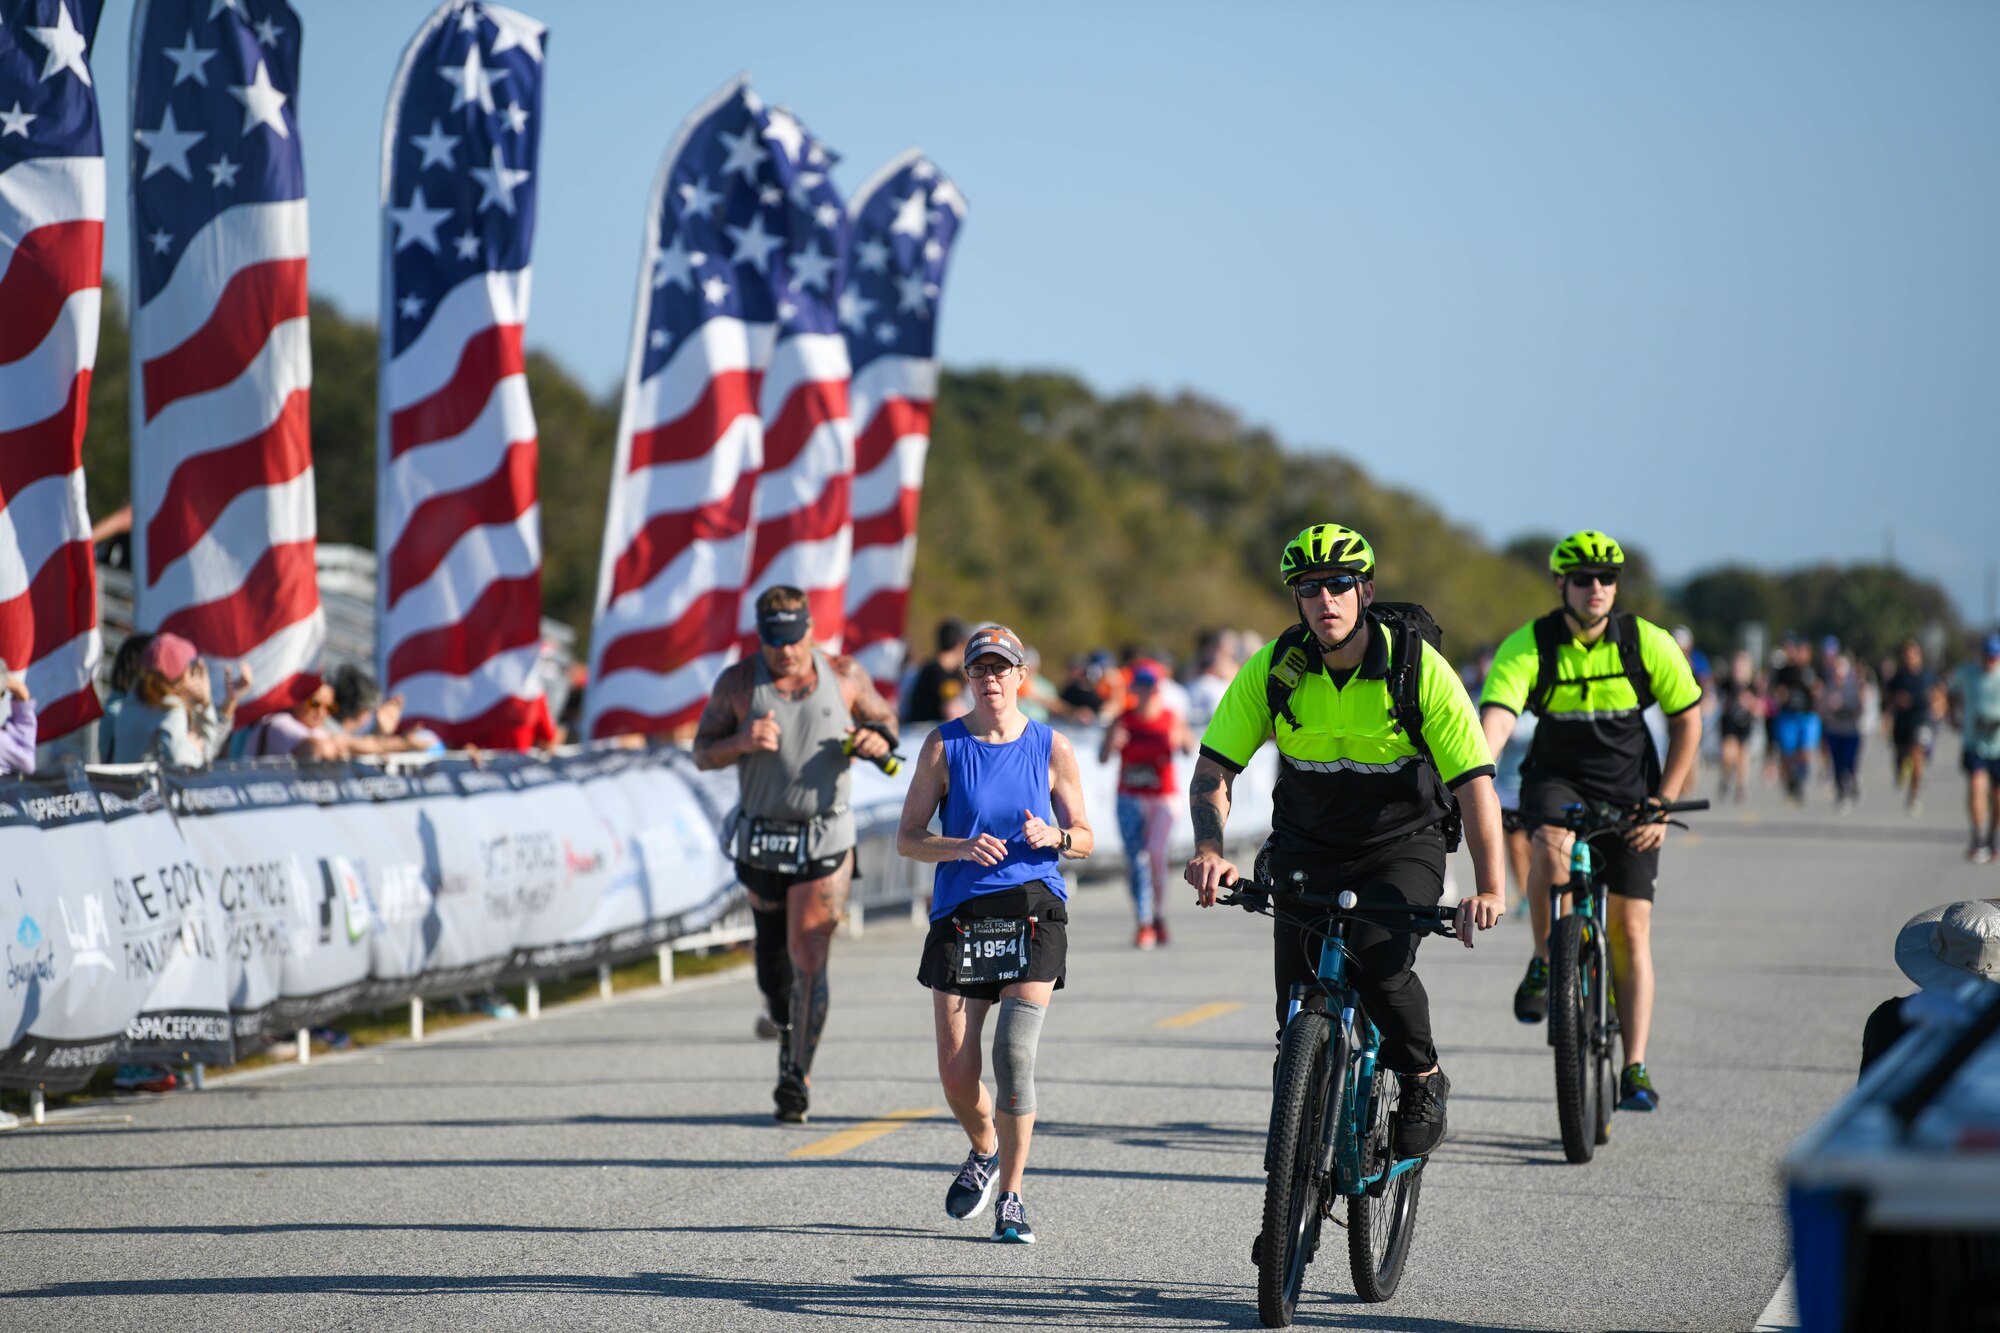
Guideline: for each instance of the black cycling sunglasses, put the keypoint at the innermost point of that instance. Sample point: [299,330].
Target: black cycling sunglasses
[1584,578]
[1335,584]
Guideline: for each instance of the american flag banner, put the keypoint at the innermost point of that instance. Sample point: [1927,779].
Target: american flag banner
[458,521]
[222,476]
[802,509]
[51,266]
[677,535]
[905,220]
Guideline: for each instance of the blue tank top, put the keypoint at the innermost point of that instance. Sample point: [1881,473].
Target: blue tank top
[990,785]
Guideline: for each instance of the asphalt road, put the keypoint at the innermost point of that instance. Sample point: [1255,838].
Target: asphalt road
[614,1165]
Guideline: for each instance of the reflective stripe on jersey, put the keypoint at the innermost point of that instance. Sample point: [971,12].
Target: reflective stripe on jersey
[1351,779]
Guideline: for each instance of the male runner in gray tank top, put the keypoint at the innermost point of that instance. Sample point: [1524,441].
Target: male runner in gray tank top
[784,718]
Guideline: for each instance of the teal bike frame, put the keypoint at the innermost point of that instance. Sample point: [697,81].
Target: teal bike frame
[1352,1096]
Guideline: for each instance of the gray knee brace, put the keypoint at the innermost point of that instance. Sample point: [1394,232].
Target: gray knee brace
[1014,1041]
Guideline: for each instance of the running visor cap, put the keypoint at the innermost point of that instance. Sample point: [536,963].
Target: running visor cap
[781,627]
[996,641]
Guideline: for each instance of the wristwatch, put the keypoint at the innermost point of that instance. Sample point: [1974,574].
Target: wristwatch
[1065,841]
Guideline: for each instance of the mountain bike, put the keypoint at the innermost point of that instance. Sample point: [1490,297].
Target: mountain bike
[1583,1022]
[1331,1111]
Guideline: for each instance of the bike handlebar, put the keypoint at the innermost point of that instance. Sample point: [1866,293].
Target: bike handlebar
[1421,920]
[1594,817]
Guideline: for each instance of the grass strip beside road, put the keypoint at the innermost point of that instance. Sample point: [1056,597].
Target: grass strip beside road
[866,1132]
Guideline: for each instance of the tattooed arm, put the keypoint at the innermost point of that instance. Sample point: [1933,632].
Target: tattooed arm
[1208,802]
[725,733]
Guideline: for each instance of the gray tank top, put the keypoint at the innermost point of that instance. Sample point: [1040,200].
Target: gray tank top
[807,779]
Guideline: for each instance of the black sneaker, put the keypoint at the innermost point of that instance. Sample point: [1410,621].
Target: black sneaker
[790,1096]
[973,1190]
[1010,1221]
[1531,997]
[1419,1122]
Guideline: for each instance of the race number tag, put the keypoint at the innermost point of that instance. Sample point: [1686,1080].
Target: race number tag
[993,951]
[774,844]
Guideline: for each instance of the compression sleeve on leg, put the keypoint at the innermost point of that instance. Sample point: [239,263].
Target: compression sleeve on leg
[774,962]
[1015,1039]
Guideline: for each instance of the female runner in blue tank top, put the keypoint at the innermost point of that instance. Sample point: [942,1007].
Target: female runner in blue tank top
[1009,795]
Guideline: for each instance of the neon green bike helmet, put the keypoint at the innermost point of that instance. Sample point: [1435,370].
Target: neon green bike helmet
[1588,547]
[1326,545]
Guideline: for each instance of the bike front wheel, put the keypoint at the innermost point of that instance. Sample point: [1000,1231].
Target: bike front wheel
[1570,1032]
[1293,1186]
[1604,1042]
[1380,1224]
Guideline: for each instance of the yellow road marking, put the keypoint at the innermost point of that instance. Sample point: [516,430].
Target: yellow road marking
[866,1132]
[1200,1014]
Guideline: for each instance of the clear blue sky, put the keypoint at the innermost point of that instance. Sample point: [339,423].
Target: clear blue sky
[1720,278]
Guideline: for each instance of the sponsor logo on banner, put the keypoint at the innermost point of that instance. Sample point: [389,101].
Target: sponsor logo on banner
[36,961]
[344,888]
[522,871]
[90,945]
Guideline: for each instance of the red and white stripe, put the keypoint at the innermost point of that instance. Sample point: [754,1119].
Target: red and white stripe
[51,267]
[892,399]
[677,536]
[459,521]
[223,518]
[804,500]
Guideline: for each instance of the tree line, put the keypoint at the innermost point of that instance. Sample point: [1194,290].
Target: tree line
[1082,521]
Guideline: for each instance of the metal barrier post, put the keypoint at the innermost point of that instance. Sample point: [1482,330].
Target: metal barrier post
[417,1018]
[666,964]
[199,1072]
[305,1046]
[534,998]
[38,1107]
[604,981]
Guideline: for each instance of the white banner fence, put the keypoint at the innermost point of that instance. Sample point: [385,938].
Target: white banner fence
[171,916]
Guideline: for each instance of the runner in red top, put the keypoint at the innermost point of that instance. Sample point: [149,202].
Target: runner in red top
[1145,737]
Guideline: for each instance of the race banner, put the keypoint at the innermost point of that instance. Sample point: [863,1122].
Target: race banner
[190,915]
[51,270]
[457,511]
[905,220]
[109,941]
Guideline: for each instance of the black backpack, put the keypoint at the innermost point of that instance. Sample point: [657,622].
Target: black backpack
[1296,655]
[1552,629]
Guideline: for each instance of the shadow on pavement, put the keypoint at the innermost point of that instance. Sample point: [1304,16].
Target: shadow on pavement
[598,1163]
[1035,1301]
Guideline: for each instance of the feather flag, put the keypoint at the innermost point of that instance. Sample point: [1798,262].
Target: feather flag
[677,536]
[51,267]
[803,534]
[458,522]
[223,510]
[905,220]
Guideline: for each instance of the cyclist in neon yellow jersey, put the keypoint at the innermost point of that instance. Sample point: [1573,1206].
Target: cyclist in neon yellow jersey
[1363,801]
[1589,675]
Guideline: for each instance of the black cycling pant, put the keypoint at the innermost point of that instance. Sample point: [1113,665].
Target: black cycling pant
[1410,870]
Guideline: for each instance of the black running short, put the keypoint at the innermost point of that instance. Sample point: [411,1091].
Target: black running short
[773,886]
[1048,954]
[1627,873]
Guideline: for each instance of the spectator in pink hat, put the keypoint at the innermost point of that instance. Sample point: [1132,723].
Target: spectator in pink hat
[171,716]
